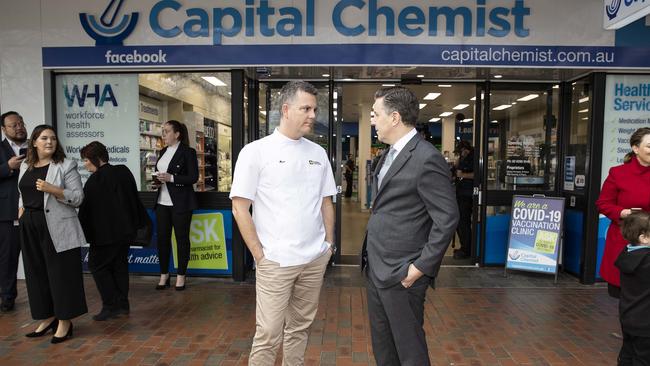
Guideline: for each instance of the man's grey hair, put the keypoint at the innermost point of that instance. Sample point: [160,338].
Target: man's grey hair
[290,89]
[401,100]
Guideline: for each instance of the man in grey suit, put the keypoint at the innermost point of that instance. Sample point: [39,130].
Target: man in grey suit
[413,219]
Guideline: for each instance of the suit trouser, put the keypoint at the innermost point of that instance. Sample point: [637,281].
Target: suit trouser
[110,268]
[396,318]
[166,219]
[635,351]
[54,280]
[9,255]
[286,305]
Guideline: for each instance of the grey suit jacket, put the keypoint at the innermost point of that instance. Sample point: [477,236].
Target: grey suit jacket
[61,216]
[414,215]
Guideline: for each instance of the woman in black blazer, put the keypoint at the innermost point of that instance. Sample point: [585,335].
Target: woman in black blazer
[110,216]
[177,170]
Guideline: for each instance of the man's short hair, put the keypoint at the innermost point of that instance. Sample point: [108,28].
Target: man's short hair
[634,225]
[401,100]
[290,89]
[7,114]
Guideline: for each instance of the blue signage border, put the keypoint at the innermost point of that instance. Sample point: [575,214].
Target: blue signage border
[347,54]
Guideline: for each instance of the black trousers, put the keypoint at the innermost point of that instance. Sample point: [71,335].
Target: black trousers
[110,268]
[348,186]
[54,281]
[9,254]
[464,228]
[180,222]
[635,351]
[396,319]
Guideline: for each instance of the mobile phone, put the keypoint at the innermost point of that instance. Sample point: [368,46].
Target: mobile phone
[22,151]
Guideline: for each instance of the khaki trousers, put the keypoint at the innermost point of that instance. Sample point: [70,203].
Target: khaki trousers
[287,301]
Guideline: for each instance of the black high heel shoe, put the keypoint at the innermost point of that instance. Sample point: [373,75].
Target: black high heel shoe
[166,285]
[67,336]
[53,325]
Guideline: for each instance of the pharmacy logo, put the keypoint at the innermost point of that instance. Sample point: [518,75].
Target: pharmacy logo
[108,31]
[612,9]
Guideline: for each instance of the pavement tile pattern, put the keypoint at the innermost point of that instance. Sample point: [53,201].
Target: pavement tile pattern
[476,316]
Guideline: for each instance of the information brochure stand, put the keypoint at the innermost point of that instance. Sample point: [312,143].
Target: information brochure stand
[535,234]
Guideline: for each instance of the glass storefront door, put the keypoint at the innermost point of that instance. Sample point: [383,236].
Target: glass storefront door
[520,149]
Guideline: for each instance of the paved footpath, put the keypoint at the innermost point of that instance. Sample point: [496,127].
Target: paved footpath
[475,317]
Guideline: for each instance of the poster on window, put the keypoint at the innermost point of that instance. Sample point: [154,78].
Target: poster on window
[535,233]
[100,108]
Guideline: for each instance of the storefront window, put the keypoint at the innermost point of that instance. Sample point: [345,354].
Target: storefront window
[522,141]
[126,113]
[270,113]
[575,162]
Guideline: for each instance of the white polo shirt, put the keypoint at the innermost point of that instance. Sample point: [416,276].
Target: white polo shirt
[287,180]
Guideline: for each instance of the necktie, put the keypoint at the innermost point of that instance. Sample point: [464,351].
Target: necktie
[387,162]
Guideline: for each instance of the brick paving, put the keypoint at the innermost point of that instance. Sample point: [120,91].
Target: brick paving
[475,317]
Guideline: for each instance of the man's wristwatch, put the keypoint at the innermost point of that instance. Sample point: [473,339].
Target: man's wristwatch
[332,247]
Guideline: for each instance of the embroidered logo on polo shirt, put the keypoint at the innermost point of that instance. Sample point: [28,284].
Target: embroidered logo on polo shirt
[313,162]
[282,161]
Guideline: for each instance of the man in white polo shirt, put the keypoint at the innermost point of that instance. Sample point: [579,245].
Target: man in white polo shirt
[288,180]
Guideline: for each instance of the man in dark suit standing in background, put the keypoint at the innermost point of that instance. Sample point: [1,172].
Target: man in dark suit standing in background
[413,220]
[12,153]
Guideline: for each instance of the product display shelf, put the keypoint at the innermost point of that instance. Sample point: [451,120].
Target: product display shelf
[200,157]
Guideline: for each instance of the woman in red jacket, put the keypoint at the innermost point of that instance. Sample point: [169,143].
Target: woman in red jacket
[626,188]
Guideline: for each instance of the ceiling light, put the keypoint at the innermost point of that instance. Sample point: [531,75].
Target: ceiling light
[498,76]
[435,119]
[336,95]
[556,87]
[473,99]
[229,93]
[335,105]
[387,85]
[585,118]
[528,97]
[335,113]
[583,110]
[513,103]
[214,81]
[460,106]
[582,100]
[421,75]
[467,120]
[495,121]
[502,107]
[446,114]
[348,136]
[326,75]
[431,96]
[422,105]
[444,85]
[263,113]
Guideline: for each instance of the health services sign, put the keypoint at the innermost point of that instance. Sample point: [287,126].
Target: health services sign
[129,33]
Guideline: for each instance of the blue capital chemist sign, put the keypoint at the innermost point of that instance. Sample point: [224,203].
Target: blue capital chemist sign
[535,233]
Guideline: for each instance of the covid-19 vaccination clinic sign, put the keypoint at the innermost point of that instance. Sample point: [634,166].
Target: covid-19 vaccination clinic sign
[535,234]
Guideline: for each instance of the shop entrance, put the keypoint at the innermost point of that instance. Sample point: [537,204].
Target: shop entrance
[499,139]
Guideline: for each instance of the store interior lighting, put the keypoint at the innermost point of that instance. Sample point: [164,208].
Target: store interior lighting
[502,107]
[528,97]
[446,114]
[431,96]
[214,80]
[460,107]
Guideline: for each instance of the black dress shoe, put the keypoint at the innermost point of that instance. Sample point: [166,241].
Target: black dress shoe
[180,288]
[166,285]
[105,314]
[7,306]
[53,325]
[67,336]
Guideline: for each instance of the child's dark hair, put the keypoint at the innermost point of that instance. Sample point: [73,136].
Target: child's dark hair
[635,224]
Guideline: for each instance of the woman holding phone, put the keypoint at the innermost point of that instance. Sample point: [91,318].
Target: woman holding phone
[177,170]
[626,189]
